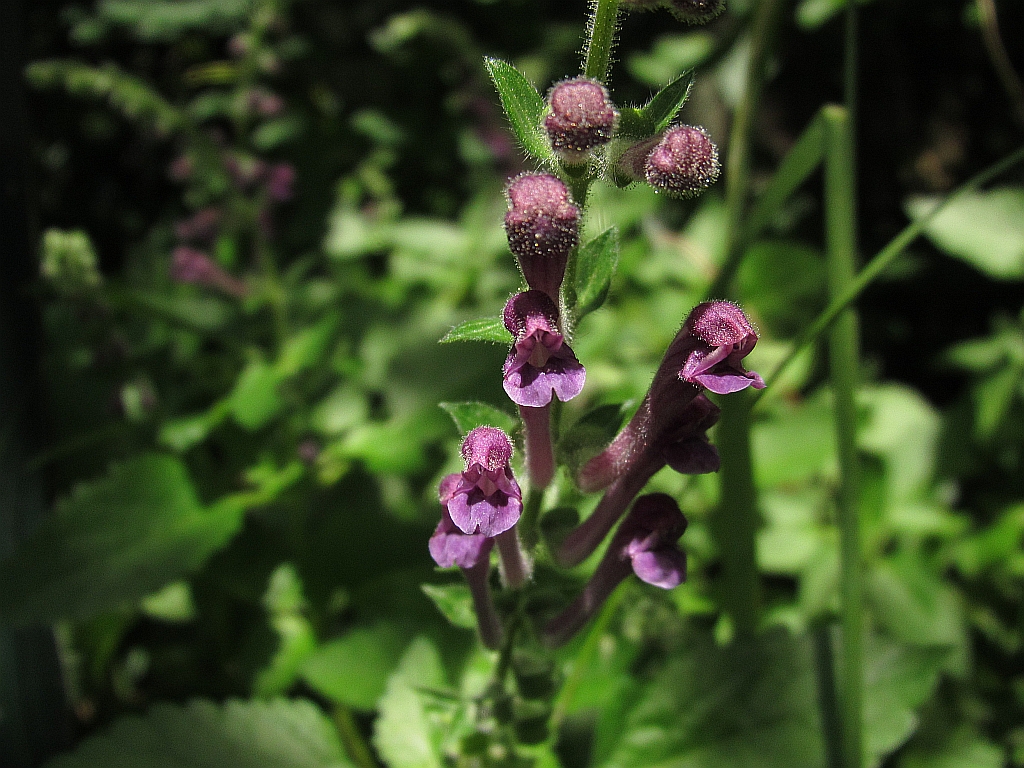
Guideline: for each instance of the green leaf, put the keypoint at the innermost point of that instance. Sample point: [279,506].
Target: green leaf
[669,55]
[595,267]
[405,734]
[666,103]
[913,604]
[274,133]
[113,542]
[490,329]
[589,436]
[306,348]
[454,602]
[752,702]
[523,105]
[254,401]
[250,734]
[354,669]
[468,416]
[985,229]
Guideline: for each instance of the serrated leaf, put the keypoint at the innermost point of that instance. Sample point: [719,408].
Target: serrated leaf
[454,602]
[405,734]
[353,670]
[112,543]
[985,229]
[468,416]
[595,267]
[490,329]
[523,106]
[250,734]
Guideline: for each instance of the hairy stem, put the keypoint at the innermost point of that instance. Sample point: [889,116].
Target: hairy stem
[601,39]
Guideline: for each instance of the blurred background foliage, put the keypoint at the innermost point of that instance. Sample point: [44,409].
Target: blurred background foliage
[243,467]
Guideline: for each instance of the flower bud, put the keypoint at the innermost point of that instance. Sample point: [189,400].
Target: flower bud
[696,11]
[543,227]
[486,498]
[684,163]
[582,117]
[189,265]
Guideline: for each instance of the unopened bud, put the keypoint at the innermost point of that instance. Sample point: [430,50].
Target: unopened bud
[543,227]
[582,117]
[684,163]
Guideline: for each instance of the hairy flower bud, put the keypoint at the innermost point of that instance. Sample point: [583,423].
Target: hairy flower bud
[684,163]
[543,227]
[582,117]
[696,11]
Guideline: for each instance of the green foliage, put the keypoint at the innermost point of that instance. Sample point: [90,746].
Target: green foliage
[595,267]
[469,416]
[274,734]
[523,106]
[114,541]
[486,329]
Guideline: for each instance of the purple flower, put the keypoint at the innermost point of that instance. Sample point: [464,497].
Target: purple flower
[540,364]
[542,225]
[582,117]
[719,337]
[645,545]
[201,227]
[684,163]
[487,499]
[449,546]
[189,265]
[281,182]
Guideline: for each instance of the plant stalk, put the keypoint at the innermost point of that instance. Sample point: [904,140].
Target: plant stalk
[600,39]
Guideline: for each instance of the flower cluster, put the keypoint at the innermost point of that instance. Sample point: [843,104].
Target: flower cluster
[484,505]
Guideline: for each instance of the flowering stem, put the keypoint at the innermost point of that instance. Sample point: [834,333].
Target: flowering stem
[601,38]
[528,521]
[844,343]
[353,741]
[608,575]
[515,570]
[540,454]
[483,605]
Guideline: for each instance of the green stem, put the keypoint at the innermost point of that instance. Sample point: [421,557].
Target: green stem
[737,168]
[601,39]
[844,344]
[734,523]
[528,520]
[881,261]
[353,741]
[828,701]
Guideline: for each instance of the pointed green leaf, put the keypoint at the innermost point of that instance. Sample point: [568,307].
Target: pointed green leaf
[249,734]
[595,267]
[254,400]
[490,329]
[468,416]
[523,105]
[113,542]
[657,114]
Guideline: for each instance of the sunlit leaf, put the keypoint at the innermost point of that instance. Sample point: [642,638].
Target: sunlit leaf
[490,329]
[353,670]
[468,416]
[251,734]
[595,267]
[454,602]
[113,542]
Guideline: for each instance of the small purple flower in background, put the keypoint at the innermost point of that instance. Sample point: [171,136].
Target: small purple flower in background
[582,117]
[540,364]
[645,545]
[201,227]
[542,225]
[722,337]
[487,499]
[189,265]
[696,11]
[684,163]
[281,182]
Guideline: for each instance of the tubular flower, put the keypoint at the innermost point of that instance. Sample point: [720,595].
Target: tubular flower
[645,545]
[542,225]
[486,499]
[540,364]
[722,336]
